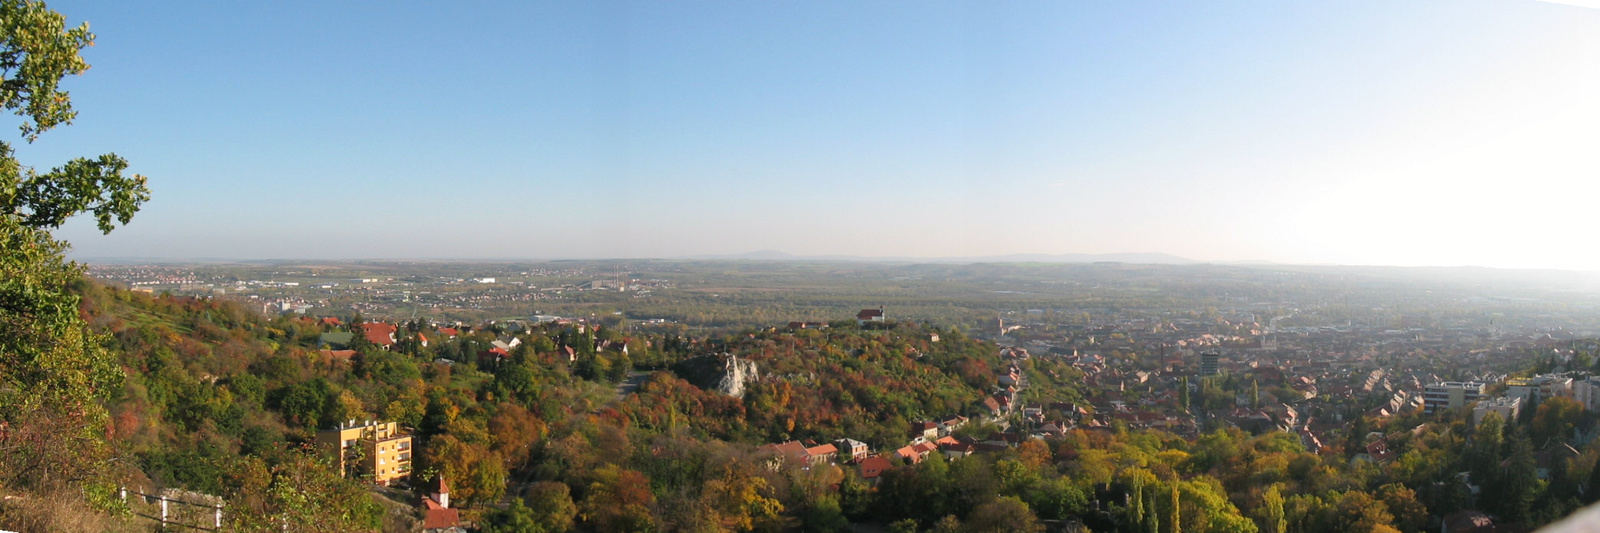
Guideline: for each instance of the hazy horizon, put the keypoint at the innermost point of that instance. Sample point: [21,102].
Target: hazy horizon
[1367,133]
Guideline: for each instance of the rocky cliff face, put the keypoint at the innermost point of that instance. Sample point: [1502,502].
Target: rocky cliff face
[736,373]
[723,373]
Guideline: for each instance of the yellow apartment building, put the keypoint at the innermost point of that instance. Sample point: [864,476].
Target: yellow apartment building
[378,449]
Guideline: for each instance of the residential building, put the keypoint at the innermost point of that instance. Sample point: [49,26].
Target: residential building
[1450,395]
[821,454]
[796,452]
[380,334]
[852,450]
[874,466]
[378,449]
[1540,387]
[869,315]
[1507,407]
[1587,392]
[1209,363]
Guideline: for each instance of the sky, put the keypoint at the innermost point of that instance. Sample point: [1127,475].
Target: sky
[1383,132]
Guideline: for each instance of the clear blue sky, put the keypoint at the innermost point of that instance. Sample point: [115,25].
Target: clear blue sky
[1375,132]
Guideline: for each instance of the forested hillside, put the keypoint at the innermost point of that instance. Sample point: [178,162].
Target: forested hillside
[215,399]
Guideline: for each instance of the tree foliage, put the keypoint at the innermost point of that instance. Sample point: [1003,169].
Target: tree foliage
[54,372]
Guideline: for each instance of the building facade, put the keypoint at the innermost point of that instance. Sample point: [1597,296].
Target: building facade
[1209,362]
[1507,407]
[1450,395]
[378,449]
[1540,387]
[1587,392]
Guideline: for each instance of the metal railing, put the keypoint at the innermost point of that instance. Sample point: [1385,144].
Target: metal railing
[188,513]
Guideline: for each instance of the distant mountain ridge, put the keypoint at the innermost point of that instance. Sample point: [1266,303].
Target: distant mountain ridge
[1138,258]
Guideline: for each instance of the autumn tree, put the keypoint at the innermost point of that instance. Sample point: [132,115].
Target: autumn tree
[1554,420]
[54,372]
[618,500]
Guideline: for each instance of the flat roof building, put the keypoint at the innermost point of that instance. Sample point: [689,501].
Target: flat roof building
[1507,407]
[1209,363]
[1450,395]
[378,449]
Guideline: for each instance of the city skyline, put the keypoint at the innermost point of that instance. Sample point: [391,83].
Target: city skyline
[1426,133]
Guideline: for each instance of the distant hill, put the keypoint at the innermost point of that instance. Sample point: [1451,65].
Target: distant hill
[1138,258]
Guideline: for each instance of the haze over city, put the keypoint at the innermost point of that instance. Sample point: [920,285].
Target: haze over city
[1384,133]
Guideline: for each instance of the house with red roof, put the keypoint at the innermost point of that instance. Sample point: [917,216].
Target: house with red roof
[822,454]
[437,516]
[957,450]
[795,452]
[380,334]
[791,451]
[852,450]
[874,466]
[493,356]
[869,315]
[339,355]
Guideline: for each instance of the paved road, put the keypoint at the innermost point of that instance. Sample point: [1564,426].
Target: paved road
[628,386]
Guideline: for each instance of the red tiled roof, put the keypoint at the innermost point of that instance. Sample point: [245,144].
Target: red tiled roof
[869,314]
[441,518]
[379,333]
[451,332]
[874,466]
[792,450]
[822,450]
[339,354]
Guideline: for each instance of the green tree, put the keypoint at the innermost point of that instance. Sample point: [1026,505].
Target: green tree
[1271,513]
[552,505]
[1183,394]
[1513,490]
[1003,515]
[516,518]
[54,372]
[1487,439]
[1174,510]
